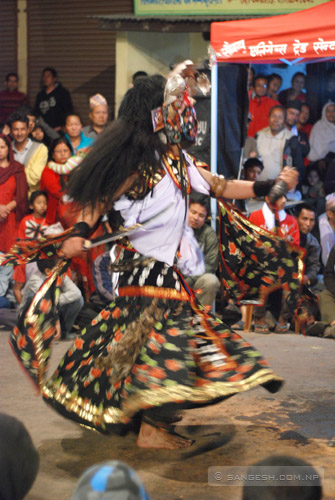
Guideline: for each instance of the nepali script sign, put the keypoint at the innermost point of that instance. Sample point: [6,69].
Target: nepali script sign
[219,7]
[308,35]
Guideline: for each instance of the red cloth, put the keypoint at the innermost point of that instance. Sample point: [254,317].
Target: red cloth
[8,228]
[50,182]
[32,227]
[10,101]
[288,226]
[259,108]
[306,128]
[15,169]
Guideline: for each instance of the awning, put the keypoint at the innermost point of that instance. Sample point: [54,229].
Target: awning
[304,36]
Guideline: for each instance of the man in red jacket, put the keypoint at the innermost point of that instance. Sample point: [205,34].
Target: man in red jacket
[275,219]
[259,106]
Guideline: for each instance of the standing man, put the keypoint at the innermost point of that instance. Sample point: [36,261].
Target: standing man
[33,155]
[207,239]
[98,116]
[11,98]
[53,102]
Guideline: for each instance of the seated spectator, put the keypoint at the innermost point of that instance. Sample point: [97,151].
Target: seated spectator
[11,98]
[326,328]
[327,228]
[80,144]
[33,226]
[275,220]
[7,299]
[322,138]
[296,90]
[278,146]
[303,481]
[306,217]
[31,154]
[53,102]
[70,298]
[252,169]
[105,280]
[55,175]
[19,459]
[274,83]
[303,124]
[35,121]
[293,110]
[207,284]
[260,106]
[98,116]
[113,480]
[312,189]
[13,195]
[38,134]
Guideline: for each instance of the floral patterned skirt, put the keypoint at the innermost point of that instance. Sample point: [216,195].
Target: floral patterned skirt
[153,346]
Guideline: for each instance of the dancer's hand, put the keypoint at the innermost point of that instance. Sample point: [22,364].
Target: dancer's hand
[72,247]
[290,176]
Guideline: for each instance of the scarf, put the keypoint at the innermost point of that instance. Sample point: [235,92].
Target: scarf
[17,169]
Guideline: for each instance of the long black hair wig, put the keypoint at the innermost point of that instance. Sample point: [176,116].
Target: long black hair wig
[128,145]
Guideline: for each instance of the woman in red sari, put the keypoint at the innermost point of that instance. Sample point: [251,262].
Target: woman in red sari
[13,194]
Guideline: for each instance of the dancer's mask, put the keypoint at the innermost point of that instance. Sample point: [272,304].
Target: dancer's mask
[177,117]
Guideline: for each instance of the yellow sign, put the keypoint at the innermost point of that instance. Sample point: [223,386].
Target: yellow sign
[220,7]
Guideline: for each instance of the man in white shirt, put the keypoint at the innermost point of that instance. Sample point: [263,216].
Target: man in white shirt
[278,146]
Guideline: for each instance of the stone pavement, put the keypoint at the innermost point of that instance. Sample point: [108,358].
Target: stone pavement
[299,421]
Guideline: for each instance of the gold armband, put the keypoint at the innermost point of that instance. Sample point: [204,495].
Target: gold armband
[218,185]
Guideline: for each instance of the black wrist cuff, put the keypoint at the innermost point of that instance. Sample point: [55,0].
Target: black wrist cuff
[82,229]
[262,188]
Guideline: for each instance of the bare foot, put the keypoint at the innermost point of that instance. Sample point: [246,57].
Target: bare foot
[151,437]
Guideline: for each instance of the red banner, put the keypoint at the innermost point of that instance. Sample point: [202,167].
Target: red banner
[302,36]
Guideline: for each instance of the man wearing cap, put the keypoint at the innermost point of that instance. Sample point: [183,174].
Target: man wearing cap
[98,115]
[293,110]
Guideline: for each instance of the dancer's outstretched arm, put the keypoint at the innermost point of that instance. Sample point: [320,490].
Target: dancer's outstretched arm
[238,189]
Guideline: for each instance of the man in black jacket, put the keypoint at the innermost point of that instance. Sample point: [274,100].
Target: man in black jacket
[53,102]
[305,215]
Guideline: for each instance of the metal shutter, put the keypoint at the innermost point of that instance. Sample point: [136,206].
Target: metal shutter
[8,39]
[61,35]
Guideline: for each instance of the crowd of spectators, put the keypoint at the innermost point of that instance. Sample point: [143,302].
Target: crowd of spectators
[41,145]
[280,134]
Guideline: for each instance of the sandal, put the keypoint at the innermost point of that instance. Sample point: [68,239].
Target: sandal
[261,328]
[238,326]
[282,328]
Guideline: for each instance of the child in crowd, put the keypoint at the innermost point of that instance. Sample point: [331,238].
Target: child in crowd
[313,190]
[252,169]
[33,226]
